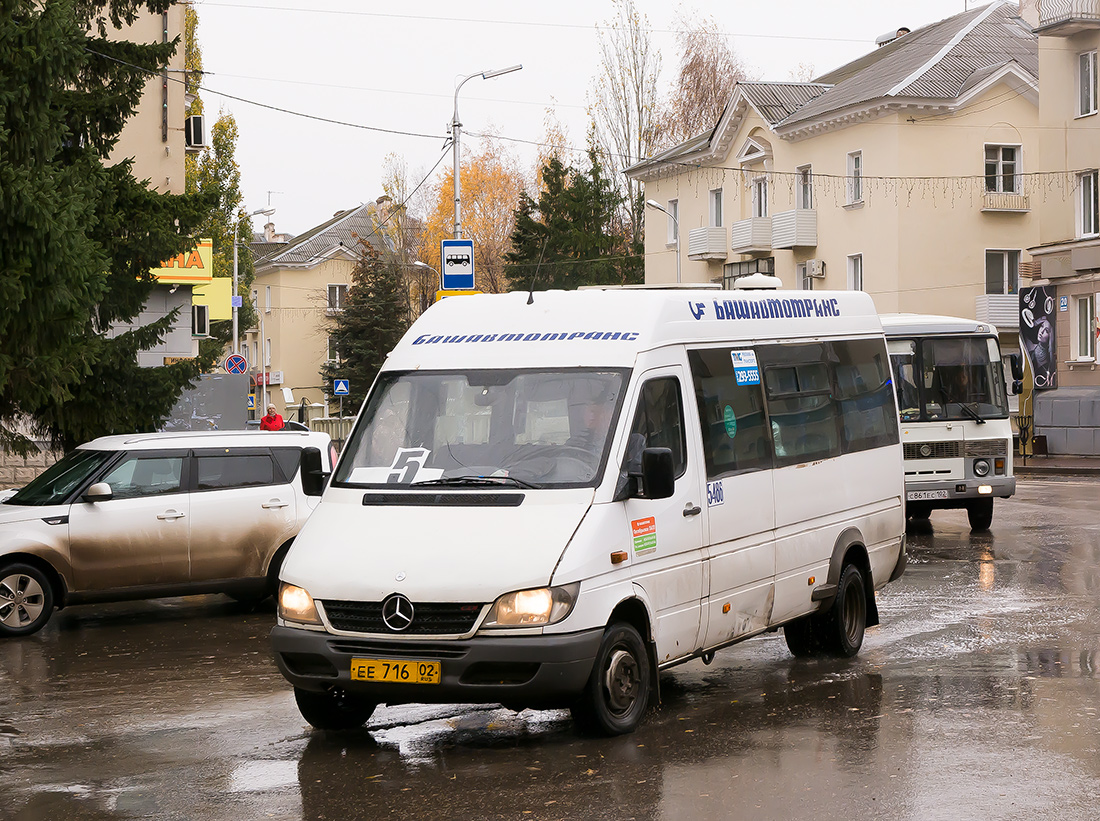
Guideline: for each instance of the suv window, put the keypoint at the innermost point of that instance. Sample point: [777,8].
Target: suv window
[288,459]
[233,470]
[145,475]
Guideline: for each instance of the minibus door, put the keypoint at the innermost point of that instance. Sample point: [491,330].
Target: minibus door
[667,534]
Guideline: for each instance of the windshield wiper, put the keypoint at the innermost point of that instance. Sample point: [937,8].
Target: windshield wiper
[468,481]
[973,414]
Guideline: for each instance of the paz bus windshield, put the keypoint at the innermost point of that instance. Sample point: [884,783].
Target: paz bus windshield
[948,378]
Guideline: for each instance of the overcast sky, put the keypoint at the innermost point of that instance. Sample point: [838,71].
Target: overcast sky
[394,66]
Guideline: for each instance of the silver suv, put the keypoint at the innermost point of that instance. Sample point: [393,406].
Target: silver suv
[159,514]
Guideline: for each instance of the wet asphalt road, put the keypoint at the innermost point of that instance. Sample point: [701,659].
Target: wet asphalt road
[976,698]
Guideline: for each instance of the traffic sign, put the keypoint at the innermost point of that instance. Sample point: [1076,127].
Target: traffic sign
[458,264]
[252,401]
[444,294]
[341,387]
[235,363]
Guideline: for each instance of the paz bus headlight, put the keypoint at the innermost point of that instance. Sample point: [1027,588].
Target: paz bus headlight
[532,608]
[981,467]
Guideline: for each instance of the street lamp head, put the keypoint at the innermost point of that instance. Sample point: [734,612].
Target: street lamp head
[485,75]
[655,204]
[419,264]
[267,212]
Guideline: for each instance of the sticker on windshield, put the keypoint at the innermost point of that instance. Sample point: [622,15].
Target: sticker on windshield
[745,369]
[645,535]
[407,467]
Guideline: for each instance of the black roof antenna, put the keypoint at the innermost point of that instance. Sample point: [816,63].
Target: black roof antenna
[531,290]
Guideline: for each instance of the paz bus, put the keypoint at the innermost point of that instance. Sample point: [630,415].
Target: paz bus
[953,408]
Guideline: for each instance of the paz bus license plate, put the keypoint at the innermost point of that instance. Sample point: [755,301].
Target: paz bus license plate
[918,495]
[395,672]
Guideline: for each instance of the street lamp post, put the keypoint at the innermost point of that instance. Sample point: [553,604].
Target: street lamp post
[236,239]
[675,227]
[456,139]
[439,282]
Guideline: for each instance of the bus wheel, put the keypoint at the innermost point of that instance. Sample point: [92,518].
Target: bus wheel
[802,636]
[847,619]
[918,512]
[333,709]
[617,694]
[980,514]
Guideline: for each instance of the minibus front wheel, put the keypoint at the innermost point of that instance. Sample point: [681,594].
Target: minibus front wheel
[333,709]
[616,696]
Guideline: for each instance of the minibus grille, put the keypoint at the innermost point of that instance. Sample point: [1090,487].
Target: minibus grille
[987,447]
[933,450]
[429,618]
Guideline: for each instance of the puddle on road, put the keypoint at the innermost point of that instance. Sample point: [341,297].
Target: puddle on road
[263,774]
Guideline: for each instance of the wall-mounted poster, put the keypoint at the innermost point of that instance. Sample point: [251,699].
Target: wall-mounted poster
[1037,335]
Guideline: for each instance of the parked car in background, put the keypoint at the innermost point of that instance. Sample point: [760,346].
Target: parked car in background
[160,514]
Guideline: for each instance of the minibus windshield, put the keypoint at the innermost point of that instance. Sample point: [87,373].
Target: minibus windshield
[513,428]
[949,378]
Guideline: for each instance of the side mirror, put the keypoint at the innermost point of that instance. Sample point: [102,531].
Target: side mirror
[658,473]
[314,477]
[99,492]
[1017,368]
[1017,387]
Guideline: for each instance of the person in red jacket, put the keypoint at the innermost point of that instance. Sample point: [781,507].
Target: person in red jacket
[272,421]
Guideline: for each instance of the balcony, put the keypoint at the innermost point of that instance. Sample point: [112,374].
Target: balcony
[1005,202]
[751,236]
[1002,310]
[795,229]
[1065,17]
[707,243]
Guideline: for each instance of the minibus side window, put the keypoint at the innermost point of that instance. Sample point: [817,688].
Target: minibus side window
[659,423]
[868,418]
[731,416]
[802,409]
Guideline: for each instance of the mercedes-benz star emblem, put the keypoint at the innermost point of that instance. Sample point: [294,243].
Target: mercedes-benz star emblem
[397,612]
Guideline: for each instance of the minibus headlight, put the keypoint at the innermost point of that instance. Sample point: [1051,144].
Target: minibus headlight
[295,604]
[981,467]
[531,608]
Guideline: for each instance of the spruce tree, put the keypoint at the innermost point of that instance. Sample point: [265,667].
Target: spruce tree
[80,238]
[374,318]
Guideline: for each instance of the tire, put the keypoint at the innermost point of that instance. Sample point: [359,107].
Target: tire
[980,514]
[26,599]
[333,709]
[844,624]
[802,636]
[918,512]
[616,696]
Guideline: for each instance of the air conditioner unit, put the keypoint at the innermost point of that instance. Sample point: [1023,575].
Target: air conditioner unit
[194,132]
[815,268]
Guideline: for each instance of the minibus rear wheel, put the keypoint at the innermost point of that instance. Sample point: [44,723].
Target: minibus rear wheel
[616,696]
[847,619]
[333,709]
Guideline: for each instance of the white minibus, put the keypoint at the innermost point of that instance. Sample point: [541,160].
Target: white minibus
[549,498]
[955,428]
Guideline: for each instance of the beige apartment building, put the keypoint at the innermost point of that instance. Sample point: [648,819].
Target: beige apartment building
[1068,250]
[905,173]
[300,285]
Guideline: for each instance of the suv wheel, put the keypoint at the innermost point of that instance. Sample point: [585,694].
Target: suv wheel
[26,599]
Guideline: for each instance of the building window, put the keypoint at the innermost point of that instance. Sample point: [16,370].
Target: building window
[267,299]
[255,353]
[855,177]
[336,296]
[673,221]
[267,352]
[200,320]
[732,271]
[1084,336]
[1002,272]
[333,350]
[1087,225]
[716,208]
[1002,168]
[805,281]
[805,193]
[760,197]
[1086,84]
[855,272]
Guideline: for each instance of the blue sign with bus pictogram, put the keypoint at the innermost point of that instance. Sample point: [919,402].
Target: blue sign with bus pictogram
[457,256]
